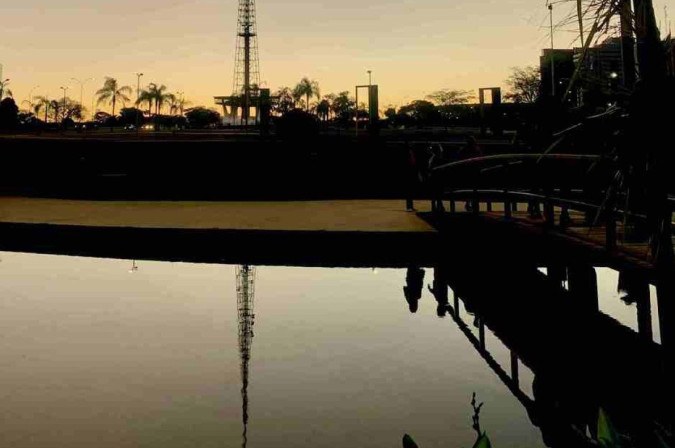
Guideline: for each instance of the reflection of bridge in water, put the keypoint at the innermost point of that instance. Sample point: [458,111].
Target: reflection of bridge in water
[582,360]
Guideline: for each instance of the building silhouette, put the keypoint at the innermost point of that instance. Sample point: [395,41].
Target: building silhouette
[601,79]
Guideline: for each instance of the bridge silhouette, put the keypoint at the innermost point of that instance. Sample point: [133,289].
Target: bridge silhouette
[570,201]
[581,359]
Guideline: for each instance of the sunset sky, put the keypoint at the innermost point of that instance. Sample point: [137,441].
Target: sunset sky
[413,46]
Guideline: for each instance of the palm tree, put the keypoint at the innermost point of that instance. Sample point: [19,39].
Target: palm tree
[182,102]
[55,107]
[144,96]
[170,99]
[297,95]
[323,109]
[42,102]
[174,107]
[112,92]
[307,88]
[159,96]
[342,105]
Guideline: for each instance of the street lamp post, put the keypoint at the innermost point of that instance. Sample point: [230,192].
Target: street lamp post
[82,82]
[138,97]
[550,11]
[30,96]
[63,113]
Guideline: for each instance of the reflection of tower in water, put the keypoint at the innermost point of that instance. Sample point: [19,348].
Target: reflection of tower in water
[245,295]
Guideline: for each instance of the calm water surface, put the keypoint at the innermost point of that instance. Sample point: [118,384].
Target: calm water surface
[92,354]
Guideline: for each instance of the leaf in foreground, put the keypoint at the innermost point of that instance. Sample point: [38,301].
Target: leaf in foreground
[408,442]
[482,442]
[607,435]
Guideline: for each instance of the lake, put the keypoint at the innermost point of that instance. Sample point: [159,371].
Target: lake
[121,353]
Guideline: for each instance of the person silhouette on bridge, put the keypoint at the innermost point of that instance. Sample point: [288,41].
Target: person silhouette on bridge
[471,150]
[437,159]
[413,177]
[413,289]
[440,292]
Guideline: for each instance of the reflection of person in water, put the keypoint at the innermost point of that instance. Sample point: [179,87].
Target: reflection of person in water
[414,280]
[440,292]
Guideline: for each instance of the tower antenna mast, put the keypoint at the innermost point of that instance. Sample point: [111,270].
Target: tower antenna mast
[246,65]
[245,300]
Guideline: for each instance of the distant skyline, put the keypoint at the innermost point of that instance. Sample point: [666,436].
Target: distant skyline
[412,47]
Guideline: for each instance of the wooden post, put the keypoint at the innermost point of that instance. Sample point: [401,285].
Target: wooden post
[610,223]
[453,207]
[489,206]
[514,369]
[475,203]
[456,302]
[665,295]
[549,213]
[582,281]
[557,273]
[481,333]
[644,311]
[565,217]
[610,231]
[636,286]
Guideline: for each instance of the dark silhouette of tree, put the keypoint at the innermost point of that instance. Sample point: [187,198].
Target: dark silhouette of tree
[42,104]
[161,96]
[285,102]
[55,110]
[422,112]
[9,114]
[182,104]
[177,104]
[343,106]
[297,125]
[201,117]
[156,95]
[447,97]
[28,120]
[112,93]
[524,84]
[145,97]
[323,109]
[644,159]
[307,88]
[70,110]
[102,117]
[131,116]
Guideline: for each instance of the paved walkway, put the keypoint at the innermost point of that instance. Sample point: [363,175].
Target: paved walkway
[345,216]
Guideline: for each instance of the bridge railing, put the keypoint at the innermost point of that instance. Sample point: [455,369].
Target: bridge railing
[523,178]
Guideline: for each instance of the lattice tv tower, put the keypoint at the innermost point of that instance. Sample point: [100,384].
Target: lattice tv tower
[246,63]
[245,295]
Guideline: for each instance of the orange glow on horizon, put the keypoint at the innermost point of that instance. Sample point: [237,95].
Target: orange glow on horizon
[413,49]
